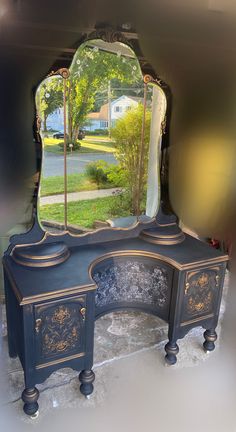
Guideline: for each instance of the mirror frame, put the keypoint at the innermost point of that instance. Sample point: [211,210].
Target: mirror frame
[37,233]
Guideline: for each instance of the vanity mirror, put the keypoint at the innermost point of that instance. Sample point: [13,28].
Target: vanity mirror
[101,127]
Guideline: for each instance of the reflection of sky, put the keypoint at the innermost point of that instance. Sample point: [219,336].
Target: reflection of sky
[55,120]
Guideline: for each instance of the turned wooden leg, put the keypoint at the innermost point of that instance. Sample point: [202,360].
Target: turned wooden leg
[210,338]
[171,350]
[30,397]
[86,378]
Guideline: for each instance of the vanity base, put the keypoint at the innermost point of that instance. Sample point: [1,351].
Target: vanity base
[51,311]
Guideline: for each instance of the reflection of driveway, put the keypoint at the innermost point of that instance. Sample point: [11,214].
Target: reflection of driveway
[53,164]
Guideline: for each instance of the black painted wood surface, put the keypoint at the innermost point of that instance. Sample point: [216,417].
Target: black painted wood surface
[74,271]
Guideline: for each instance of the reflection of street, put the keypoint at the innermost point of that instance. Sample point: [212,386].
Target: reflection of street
[53,164]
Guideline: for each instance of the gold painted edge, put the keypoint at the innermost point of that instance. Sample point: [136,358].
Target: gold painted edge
[62,360]
[165,225]
[156,241]
[57,294]
[192,321]
[150,234]
[205,263]
[190,273]
[194,264]
[64,250]
[43,264]
[90,287]
[130,253]
[48,234]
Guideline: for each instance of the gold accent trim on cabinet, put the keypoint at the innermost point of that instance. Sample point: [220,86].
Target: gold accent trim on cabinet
[160,242]
[162,236]
[41,263]
[122,253]
[89,287]
[57,294]
[44,257]
[189,274]
[61,360]
[205,263]
[47,234]
[195,264]
[192,321]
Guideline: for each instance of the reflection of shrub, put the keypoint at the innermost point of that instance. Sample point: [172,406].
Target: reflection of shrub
[102,173]
[97,132]
[122,205]
[116,175]
[127,134]
[76,146]
[97,171]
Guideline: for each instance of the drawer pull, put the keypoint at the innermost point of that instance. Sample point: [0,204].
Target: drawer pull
[83,312]
[38,325]
[217,280]
[187,286]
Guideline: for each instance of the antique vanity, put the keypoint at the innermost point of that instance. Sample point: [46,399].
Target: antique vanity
[58,285]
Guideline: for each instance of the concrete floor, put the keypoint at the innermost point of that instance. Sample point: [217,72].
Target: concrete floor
[134,390]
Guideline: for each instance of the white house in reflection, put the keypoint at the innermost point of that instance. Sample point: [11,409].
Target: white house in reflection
[100,119]
[97,120]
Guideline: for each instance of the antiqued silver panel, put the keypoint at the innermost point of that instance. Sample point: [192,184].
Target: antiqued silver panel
[132,281]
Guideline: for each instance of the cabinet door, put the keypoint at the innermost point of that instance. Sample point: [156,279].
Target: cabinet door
[202,292]
[60,330]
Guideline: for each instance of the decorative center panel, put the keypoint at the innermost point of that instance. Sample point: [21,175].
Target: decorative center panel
[131,281]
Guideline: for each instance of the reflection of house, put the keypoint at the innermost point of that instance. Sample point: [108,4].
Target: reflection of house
[99,120]
[55,120]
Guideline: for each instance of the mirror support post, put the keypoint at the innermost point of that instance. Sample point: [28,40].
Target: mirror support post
[65,154]
[64,73]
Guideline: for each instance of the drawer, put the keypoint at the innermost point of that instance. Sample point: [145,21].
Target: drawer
[59,330]
[202,292]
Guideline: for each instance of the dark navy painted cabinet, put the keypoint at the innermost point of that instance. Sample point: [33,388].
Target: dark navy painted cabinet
[52,306]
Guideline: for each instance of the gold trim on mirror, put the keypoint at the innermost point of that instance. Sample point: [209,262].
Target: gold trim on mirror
[63,72]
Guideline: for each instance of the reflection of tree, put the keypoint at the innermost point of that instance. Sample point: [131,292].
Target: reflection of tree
[127,135]
[87,86]
[50,98]
[90,73]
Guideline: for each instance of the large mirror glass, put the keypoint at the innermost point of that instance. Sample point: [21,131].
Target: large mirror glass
[106,173]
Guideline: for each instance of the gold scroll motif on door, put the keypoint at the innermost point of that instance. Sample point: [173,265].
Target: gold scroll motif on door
[200,291]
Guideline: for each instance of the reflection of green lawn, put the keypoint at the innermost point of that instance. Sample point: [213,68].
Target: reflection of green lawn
[75,183]
[84,213]
[98,137]
[90,145]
